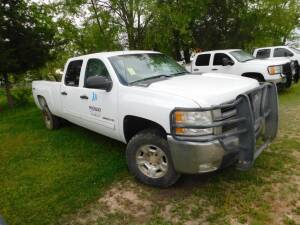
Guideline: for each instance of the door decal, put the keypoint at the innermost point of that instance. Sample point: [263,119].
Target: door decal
[93,108]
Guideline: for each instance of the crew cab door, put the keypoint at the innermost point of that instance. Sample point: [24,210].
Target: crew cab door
[70,91]
[201,63]
[218,64]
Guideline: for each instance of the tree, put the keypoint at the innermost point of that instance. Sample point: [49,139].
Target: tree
[26,38]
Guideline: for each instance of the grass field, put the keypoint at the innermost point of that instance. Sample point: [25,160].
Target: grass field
[74,176]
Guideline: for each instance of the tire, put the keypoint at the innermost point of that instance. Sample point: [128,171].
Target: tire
[149,159]
[296,78]
[52,122]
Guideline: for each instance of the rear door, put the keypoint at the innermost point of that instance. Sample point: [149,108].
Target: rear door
[263,53]
[201,63]
[70,90]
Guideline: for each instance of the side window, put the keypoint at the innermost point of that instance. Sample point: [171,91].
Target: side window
[95,67]
[282,52]
[218,59]
[73,73]
[203,60]
[263,53]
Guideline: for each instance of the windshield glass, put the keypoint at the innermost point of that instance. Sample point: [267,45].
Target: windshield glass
[241,56]
[295,50]
[137,67]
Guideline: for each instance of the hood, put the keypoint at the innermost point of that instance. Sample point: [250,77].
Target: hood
[269,62]
[207,89]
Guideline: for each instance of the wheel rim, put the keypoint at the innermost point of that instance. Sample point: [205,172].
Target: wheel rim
[47,119]
[152,161]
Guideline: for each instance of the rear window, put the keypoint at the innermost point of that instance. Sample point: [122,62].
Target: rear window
[203,60]
[263,53]
[73,73]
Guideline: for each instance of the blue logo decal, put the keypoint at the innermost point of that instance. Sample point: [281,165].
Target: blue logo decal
[94,97]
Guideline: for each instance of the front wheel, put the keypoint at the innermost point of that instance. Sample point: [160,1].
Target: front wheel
[149,159]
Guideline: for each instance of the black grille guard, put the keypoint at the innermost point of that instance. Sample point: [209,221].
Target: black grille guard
[256,116]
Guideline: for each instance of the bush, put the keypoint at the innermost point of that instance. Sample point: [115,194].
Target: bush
[21,96]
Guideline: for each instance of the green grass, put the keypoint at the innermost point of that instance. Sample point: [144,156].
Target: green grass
[46,174]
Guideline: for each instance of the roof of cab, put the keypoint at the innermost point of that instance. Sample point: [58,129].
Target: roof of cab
[112,53]
[221,50]
[277,46]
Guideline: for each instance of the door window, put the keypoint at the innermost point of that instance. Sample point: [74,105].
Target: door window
[282,52]
[218,59]
[73,73]
[203,60]
[95,67]
[263,53]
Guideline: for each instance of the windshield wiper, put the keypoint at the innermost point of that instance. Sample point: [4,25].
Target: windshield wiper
[150,78]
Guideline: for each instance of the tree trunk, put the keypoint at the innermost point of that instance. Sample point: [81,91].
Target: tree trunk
[9,97]
[187,55]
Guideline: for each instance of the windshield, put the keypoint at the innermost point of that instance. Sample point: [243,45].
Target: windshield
[241,56]
[295,50]
[137,67]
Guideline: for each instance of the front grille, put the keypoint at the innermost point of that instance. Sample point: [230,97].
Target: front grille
[287,69]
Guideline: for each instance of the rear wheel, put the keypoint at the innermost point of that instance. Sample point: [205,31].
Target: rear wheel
[149,159]
[52,122]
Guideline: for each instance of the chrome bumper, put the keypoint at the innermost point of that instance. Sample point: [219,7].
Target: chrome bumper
[197,157]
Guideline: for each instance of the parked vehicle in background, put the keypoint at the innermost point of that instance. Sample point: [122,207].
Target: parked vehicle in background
[173,122]
[239,62]
[280,52]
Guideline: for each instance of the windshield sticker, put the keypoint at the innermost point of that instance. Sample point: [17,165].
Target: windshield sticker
[131,71]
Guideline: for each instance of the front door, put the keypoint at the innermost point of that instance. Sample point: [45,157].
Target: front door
[98,107]
[217,65]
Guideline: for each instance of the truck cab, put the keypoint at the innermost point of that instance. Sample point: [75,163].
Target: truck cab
[238,62]
[172,122]
[281,52]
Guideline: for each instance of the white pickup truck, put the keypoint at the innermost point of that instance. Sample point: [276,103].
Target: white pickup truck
[281,52]
[238,62]
[173,122]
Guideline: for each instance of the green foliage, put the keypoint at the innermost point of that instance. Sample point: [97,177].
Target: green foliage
[26,36]
[45,174]
[22,96]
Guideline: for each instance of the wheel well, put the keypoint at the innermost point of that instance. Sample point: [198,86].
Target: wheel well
[257,76]
[133,124]
[42,101]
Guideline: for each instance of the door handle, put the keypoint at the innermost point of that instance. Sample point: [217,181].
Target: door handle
[84,97]
[64,93]
[196,69]
[214,69]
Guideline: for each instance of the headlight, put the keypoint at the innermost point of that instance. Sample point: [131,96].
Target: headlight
[187,119]
[275,70]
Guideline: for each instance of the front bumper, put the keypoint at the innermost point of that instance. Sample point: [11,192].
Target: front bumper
[244,134]
[280,78]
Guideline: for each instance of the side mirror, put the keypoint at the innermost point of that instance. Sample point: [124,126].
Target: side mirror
[227,62]
[99,82]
